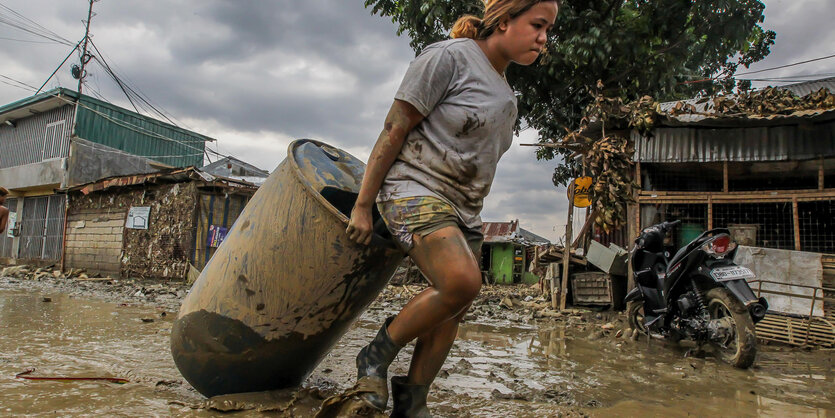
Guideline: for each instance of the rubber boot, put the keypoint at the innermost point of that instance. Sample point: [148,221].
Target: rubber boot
[409,399]
[372,366]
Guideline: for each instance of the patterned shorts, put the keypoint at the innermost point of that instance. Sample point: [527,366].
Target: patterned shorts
[424,215]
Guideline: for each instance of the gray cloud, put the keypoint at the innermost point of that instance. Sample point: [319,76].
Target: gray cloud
[257,74]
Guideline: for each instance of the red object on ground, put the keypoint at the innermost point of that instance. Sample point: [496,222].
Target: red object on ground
[23,375]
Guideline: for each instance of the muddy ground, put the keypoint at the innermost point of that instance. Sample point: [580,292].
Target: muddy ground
[513,358]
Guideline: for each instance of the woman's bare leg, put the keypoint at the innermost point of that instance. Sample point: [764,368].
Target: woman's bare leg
[450,266]
[432,349]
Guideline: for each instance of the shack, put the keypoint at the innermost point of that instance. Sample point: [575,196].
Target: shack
[769,178]
[151,225]
[60,139]
[507,252]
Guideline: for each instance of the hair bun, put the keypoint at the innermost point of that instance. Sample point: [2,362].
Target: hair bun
[466,27]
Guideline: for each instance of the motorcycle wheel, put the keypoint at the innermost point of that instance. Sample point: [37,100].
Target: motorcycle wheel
[740,348]
[635,316]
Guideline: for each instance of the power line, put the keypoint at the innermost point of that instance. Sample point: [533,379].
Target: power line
[137,128]
[19,82]
[35,26]
[122,82]
[26,40]
[787,65]
[15,85]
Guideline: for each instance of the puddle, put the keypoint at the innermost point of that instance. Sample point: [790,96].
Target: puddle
[497,369]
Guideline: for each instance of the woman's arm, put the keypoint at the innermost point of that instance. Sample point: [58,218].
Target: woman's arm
[401,119]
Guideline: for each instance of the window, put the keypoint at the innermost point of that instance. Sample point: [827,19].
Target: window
[54,144]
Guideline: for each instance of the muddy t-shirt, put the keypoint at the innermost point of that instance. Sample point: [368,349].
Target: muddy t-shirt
[469,112]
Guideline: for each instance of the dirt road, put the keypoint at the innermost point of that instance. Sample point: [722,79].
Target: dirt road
[510,360]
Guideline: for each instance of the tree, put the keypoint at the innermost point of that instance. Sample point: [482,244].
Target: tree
[668,49]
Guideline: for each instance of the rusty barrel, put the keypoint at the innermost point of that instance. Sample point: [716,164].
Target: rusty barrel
[286,283]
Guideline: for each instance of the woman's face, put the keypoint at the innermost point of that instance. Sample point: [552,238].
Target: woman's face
[524,37]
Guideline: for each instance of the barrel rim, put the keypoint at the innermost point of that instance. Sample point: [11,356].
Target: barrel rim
[308,187]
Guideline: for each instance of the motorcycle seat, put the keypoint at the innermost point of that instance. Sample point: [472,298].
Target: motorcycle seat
[679,255]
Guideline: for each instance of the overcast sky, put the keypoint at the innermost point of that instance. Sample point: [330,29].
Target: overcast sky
[257,74]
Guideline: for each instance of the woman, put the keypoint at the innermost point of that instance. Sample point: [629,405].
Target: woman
[430,170]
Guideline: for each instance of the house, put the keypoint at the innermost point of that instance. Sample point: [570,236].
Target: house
[508,251]
[60,139]
[151,225]
[769,179]
[233,168]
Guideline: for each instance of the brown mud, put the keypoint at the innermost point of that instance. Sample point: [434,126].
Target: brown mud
[513,358]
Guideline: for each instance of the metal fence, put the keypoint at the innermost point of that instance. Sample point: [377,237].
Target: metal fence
[793,329]
[5,241]
[41,227]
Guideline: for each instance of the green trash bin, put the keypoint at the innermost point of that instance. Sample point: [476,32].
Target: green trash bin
[689,232]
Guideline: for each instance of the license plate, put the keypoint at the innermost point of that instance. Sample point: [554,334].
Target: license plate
[731,273]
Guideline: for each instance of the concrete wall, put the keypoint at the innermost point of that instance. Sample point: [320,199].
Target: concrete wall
[46,173]
[94,240]
[89,162]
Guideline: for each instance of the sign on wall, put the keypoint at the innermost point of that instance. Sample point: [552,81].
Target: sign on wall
[138,217]
[216,235]
[11,224]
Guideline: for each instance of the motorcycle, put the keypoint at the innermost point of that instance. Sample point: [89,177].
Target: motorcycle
[698,294]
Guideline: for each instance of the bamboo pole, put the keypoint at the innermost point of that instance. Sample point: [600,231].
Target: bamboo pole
[566,258]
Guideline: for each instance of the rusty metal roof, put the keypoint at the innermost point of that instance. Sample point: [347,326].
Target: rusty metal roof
[176,175]
[501,232]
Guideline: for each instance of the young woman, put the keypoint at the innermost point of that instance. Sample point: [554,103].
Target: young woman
[432,166]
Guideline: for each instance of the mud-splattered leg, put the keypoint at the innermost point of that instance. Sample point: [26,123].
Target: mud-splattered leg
[432,349]
[448,263]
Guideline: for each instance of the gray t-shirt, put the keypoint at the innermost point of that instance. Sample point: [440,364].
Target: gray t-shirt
[469,111]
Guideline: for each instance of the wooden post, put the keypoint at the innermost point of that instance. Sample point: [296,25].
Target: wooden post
[710,212]
[725,187]
[796,224]
[820,175]
[638,174]
[566,258]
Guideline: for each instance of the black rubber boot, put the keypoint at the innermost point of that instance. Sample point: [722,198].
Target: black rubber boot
[409,400]
[372,366]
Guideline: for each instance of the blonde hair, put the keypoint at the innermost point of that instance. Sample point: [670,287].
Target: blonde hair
[473,27]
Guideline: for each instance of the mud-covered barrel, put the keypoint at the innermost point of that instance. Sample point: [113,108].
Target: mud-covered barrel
[286,283]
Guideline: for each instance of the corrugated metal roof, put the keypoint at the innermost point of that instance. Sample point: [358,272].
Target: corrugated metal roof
[501,232]
[766,143]
[498,231]
[119,128]
[173,175]
[806,87]
[221,167]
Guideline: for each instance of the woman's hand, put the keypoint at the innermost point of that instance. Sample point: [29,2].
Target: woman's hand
[360,228]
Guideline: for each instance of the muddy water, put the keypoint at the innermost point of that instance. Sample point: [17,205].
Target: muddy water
[498,368]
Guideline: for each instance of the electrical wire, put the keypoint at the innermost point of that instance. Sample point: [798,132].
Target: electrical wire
[788,65]
[24,23]
[19,82]
[137,94]
[138,129]
[25,40]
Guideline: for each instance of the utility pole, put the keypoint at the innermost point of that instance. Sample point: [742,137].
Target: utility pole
[84,57]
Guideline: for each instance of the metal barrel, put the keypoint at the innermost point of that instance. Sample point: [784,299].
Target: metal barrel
[286,283]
